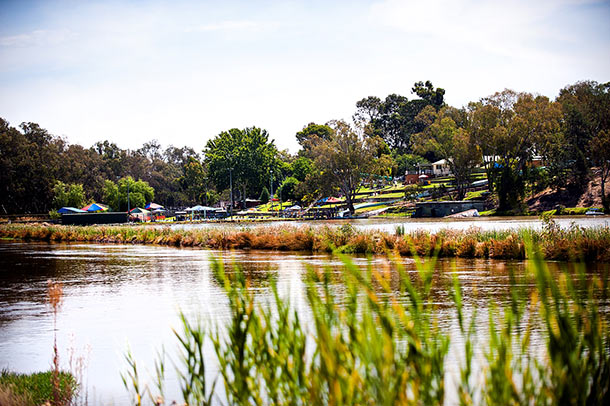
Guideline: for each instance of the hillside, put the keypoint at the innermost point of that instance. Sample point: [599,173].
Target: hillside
[569,197]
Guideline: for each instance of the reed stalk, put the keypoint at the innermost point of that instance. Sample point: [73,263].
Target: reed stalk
[372,337]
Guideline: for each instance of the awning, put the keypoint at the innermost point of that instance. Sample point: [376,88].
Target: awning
[201,208]
[139,210]
[153,206]
[67,210]
[93,207]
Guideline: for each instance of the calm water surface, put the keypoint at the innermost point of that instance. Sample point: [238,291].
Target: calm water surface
[120,295]
[428,224]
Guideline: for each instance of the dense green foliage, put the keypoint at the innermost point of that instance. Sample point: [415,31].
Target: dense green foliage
[288,189]
[127,192]
[393,119]
[68,195]
[34,162]
[245,155]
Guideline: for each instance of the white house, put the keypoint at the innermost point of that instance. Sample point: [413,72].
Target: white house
[441,168]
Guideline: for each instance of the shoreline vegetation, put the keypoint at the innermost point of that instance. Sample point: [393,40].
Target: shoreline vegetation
[553,242]
[38,388]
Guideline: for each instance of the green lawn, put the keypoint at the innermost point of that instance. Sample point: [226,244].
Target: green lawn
[276,206]
[474,195]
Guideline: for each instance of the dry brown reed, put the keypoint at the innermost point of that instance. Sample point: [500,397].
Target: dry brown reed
[55,296]
[9,397]
[574,243]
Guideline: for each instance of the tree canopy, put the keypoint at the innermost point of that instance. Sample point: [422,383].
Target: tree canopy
[347,157]
[510,127]
[39,171]
[452,143]
[248,154]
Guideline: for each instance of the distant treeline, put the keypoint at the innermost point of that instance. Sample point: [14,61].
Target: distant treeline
[503,132]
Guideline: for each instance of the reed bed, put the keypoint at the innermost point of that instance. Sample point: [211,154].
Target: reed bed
[36,389]
[554,243]
[375,343]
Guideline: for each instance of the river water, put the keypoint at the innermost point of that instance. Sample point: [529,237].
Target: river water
[120,296]
[427,224]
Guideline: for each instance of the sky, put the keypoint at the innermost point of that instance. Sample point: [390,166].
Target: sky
[181,72]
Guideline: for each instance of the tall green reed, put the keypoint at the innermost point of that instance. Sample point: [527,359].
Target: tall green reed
[372,336]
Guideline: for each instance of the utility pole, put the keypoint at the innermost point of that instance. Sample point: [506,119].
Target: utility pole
[231,190]
[271,184]
[205,185]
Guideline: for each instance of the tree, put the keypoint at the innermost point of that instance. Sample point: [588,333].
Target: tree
[127,192]
[112,157]
[151,150]
[405,162]
[367,110]
[84,166]
[30,164]
[599,150]
[71,195]
[312,132]
[427,92]
[249,155]
[288,189]
[509,127]
[586,112]
[193,181]
[264,197]
[393,119]
[110,195]
[346,157]
[301,167]
[454,144]
[168,188]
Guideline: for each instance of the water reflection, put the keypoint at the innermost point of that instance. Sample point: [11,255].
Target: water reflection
[119,294]
[426,224]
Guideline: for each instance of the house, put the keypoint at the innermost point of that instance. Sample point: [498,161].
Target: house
[426,171]
[441,168]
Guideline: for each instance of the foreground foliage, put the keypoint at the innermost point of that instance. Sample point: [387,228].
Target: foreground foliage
[36,388]
[554,243]
[374,337]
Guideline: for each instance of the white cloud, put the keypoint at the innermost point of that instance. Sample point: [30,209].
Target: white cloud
[37,38]
[510,28]
[236,25]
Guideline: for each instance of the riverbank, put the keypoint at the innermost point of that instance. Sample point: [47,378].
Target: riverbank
[553,242]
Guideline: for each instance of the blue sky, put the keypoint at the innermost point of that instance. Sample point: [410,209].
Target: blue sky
[183,71]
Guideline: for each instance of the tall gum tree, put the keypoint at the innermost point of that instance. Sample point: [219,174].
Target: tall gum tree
[586,112]
[346,157]
[511,127]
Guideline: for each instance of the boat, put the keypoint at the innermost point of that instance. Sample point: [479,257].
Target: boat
[594,212]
